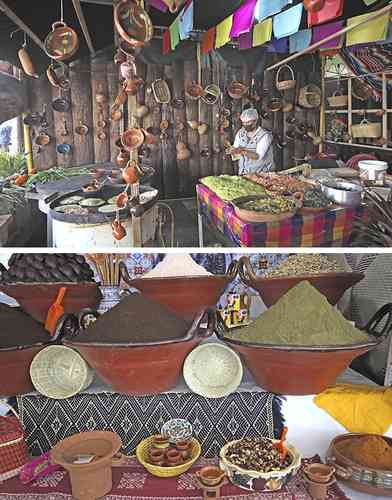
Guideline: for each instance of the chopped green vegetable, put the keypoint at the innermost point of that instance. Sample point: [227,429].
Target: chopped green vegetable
[56,174]
[229,187]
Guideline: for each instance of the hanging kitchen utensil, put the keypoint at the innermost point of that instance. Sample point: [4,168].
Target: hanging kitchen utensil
[132,139]
[132,86]
[127,49]
[43,139]
[33,119]
[287,106]
[100,96]
[178,103]
[62,42]
[121,98]
[61,104]
[141,111]
[202,128]
[150,139]
[44,119]
[101,123]
[64,149]
[194,91]
[275,104]
[161,91]
[82,129]
[123,158]
[24,57]
[285,84]
[119,57]
[52,76]
[211,94]
[132,23]
[101,135]
[132,172]
[237,90]
[65,132]
[116,114]
[128,70]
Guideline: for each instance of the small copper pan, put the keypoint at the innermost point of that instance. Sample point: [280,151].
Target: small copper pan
[82,129]
[116,114]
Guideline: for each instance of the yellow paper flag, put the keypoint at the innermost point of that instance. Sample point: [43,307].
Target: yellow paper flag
[372,31]
[223,32]
[262,32]
[358,408]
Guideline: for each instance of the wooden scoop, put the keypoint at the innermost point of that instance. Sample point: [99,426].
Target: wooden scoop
[281,447]
[55,312]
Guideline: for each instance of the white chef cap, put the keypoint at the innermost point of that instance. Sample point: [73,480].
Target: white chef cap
[249,115]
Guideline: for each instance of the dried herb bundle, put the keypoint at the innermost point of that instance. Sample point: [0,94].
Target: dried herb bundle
[377,230]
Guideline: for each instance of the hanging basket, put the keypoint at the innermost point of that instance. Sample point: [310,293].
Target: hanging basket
[366,130]
[309,96]
[285,84]
[13,449]
[337,100]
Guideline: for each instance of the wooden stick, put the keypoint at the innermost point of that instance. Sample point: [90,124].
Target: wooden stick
[15,19]
[83,25]
[316,45]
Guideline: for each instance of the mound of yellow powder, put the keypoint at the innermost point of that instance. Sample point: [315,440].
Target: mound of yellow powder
[303,316]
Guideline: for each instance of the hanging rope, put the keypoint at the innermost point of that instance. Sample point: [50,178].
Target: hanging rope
[199,74]
[62,11]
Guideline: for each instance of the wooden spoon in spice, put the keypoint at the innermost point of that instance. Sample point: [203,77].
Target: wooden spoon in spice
[280,445]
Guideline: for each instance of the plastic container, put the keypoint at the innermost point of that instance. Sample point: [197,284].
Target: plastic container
[373,170]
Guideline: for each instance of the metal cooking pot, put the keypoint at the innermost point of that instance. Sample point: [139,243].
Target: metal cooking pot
[342,192]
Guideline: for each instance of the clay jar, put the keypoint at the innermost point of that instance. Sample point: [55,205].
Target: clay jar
[161,442]
[320,473]
[184,447]
[157,457]
[118,230]
[183,153]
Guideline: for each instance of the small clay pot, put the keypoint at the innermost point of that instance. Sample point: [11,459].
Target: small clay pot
[193,124]
[122,158]
[202,128]
[320,473]
[43,139]
[116,115]
[121,98]
[174,457]
[161,441]
[210,475]
[183,445]
[100,96]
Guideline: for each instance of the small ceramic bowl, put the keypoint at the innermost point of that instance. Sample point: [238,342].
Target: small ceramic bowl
[177,429]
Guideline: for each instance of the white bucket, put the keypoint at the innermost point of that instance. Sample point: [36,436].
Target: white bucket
[373,170]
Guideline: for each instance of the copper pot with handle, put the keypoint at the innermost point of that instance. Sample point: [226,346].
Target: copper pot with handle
[62,42]
[132,23]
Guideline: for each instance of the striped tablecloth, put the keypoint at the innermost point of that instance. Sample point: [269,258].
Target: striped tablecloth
[329,228]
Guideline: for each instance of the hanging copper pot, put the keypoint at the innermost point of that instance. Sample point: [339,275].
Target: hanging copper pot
[62,42]
[132,23]
[118,230]
[43,139]
[150,138]
[116,114]
[121,98]
[101,135]
[132,172]
[122,158]
[183,153]
[27,63]
[132,86]
[122,200]
[132,139]
[52,76]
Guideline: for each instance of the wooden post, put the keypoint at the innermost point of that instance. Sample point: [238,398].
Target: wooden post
[82,112]
[191,108]
[114,126]
[40,99]
[205,141]
[179,116]
[99,86]
[227,165]
[169,162]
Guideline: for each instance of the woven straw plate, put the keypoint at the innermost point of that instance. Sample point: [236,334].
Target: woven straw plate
[213,370]
[156,470]
[59,372]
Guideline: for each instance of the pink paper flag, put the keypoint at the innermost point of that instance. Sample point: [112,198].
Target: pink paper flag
[243,18]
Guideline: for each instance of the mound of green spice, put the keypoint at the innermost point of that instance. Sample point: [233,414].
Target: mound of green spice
[303,316]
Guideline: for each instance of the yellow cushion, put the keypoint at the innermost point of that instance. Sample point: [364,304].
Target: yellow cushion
[359,408]
[372,31]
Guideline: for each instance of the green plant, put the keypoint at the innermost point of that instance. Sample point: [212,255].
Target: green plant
[376,231]
[11,164]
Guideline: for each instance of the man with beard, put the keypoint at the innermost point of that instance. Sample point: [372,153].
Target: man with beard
[253,145]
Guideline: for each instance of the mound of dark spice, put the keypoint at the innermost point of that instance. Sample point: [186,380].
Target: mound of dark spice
[135,319]
[256,453]
[19,329]
[46,268]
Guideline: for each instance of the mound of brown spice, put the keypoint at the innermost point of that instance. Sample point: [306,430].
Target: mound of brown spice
[369,451]
[135,319]
[19,329]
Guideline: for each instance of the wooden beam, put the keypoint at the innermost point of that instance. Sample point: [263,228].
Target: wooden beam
[311,48]
[83,24]
[99,2]
[15,19]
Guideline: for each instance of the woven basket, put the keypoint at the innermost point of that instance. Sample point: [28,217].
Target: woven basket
[285,84]
[13,448]
[309,96]
[142,453]
[59,372]
[337,100]
[366,129]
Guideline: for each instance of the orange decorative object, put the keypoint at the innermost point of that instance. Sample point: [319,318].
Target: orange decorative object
[21,180]
[118,230]
[131,173]
[122,200]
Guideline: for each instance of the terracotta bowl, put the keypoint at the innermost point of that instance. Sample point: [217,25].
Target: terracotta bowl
[332,285]
[36,298]
[15,369]
[304,370]
[185,296]
[148,368]
[375,482]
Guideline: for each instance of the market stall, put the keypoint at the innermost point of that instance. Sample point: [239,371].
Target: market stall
[226,385]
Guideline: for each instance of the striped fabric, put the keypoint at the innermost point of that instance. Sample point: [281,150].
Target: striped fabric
[330,228]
